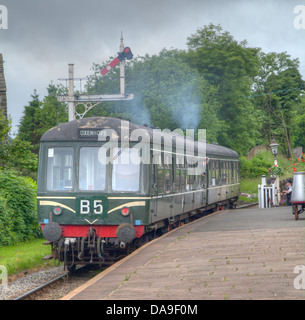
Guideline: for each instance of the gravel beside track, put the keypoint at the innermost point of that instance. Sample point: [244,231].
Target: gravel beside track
[29,282]
[55,290]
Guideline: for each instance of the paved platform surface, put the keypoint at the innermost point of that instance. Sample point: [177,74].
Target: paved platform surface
[236,254]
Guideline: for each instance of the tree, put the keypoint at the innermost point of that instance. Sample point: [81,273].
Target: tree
[230,66]
[41,116]
[52,112]
[278,88]
[15,153]
[28,123]
[168,92]
[298,125]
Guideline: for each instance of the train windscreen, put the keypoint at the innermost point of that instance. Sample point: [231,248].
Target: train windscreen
[92,172]
[60,169]
[125,169]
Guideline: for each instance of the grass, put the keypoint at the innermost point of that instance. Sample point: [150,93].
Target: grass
[282,160]
[250,185]
[24,256]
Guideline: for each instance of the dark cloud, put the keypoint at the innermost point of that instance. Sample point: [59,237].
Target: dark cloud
[43,36]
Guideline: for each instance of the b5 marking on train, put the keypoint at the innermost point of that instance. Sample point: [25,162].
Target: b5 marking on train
[91,207]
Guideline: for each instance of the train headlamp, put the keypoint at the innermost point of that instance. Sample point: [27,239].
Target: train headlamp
[125,211]
[57,211]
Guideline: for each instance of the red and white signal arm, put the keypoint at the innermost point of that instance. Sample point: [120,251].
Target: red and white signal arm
[126,54]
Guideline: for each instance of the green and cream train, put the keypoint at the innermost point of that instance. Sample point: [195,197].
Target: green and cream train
[105,184]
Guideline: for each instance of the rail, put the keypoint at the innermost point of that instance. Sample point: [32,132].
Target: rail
[41,286]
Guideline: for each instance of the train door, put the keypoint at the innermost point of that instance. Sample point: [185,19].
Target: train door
[188,196]
[182,183]
[154,192]
[177,195]
[162,207]
[168,198]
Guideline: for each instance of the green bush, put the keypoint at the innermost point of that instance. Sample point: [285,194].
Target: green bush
[7,236]
[254,167]
[18,209]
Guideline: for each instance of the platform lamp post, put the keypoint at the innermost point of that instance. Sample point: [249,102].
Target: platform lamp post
[275,150]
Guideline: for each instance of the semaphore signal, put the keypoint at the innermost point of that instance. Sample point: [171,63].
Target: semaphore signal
[90,101]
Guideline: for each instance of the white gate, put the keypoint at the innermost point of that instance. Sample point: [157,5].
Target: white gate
[266,194]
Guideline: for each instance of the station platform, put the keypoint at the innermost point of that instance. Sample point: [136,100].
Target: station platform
[229,255]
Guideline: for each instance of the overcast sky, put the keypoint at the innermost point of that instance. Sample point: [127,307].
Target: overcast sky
[43,36]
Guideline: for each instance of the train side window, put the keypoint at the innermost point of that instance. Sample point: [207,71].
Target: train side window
[223,172]
[235,172]
[231,172]
[203,176]
[176,174]
[189,178]
[203,180]
[217,171]
[196,173]
[167,173]
[190,182]
[182,175]
[60,168]
[160,180]
[179,173]
[226,172]
[212,176]
[197,181]
[238,172]
[154,174]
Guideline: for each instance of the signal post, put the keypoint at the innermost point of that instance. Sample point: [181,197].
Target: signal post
[90,101]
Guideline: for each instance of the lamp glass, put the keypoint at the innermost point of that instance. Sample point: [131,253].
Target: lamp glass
[274,150]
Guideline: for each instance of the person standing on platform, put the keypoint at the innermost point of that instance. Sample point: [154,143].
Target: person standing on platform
[288,191]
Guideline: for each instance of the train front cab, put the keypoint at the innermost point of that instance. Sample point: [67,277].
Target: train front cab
[81,199]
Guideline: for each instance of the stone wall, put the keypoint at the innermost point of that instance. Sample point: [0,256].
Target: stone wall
[254,151]
[3,101]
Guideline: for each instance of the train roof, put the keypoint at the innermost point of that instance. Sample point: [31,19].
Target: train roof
[88,129]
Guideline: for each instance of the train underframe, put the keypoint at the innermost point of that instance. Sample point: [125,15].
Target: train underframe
[92,249]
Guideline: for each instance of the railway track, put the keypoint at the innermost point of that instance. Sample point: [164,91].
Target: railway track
[54,288]
[35,290]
